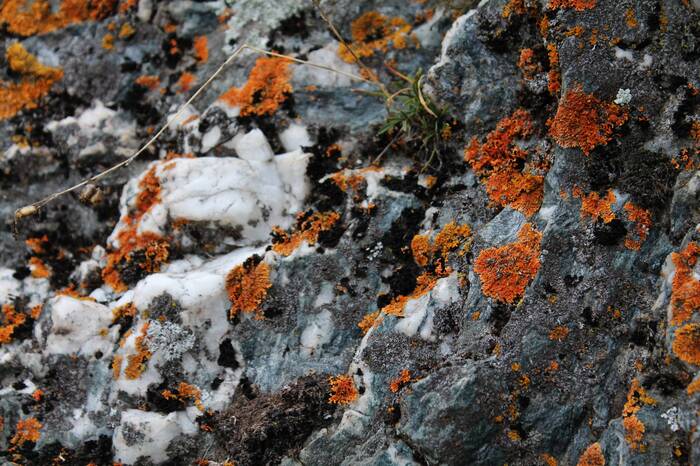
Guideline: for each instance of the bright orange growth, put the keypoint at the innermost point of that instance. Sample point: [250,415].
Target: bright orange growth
[578,5]
[631,19]
[126,31]
[185,392]
[584,121]
[554,75]
[27,430]
[36,245]
[368,322]
[403,378]
[117,365]
[634,431]
[150,82]
[514,7]
[38,394]
[266,89]
[36,82]
[157,249]
[201,49]
[38,268]
[424,283]
[308,228]
[594,206]
[125,310]
[642,220]
[343,390]
[527,63]
[447,240]
[372,32]
[497,162]
[694,387]
[559,333]
[11,319]
[108,42]
[549,459]
[685,291]
[506,271]
[686,343]
[186,82]
[593,456]
[27,18]
[247,286]
[136,363]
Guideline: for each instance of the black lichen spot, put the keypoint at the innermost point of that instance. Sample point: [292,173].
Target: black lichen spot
[227,355]
[609,234]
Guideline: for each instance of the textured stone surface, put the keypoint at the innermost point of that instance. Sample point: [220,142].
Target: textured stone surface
[262,287]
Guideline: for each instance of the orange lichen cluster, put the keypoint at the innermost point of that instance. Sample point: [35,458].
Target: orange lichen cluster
[578,5]
[309,227]
[117,365]
[685,290]
[686,343]
[642,220]
[108,41]
[267,88]
[631,19]
[373,32]
[424,283]
[447,240]
[527,63]
[368,321]
[156,248]
[186,81]
[559,333]
[36,82]
[36,245]
[554,75]
[185,392]
[11,319]
[506,271]
[584,121]
[403,379]
[38,394]
[343,390]
[125,310]
[201,49]
[27,18]
[497,162]
[548,459]
[592,205]
[136,363]
[150,82]
[349,179]
[593,456]
[634,428]
[694,387]
[27,430]
[247,286]
[516,7]
[38,268]
[126,31]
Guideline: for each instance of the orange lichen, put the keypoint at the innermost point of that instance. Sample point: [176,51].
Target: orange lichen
[686,343]
[308,228]
[685,291]
[549,459]
[373,32]
[201,49]
[124,311]
[150,82]
[506,271]
[634,431]
[631,19]
[36,82]
[449,238]
[584,121]
[554,75]
[497,162]
[527,63]
[185,392]
[11,319]
[108,41]
[136,363]
[636,397]
[247,286]
[126,31]
[593,456]
[27,430]
[343,390]
[38,268]
[368,321]
[559,333]
[127,5]
[25,18]
[36,245]
[117,365]
[424,283]
[516,7]
[403,378]
[694,387]
[267,88]
[186,81]
[578,5]
[422,249]
[592,205]
[642,220]
[38,394]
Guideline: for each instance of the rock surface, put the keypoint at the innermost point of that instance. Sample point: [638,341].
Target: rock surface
[278,281]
